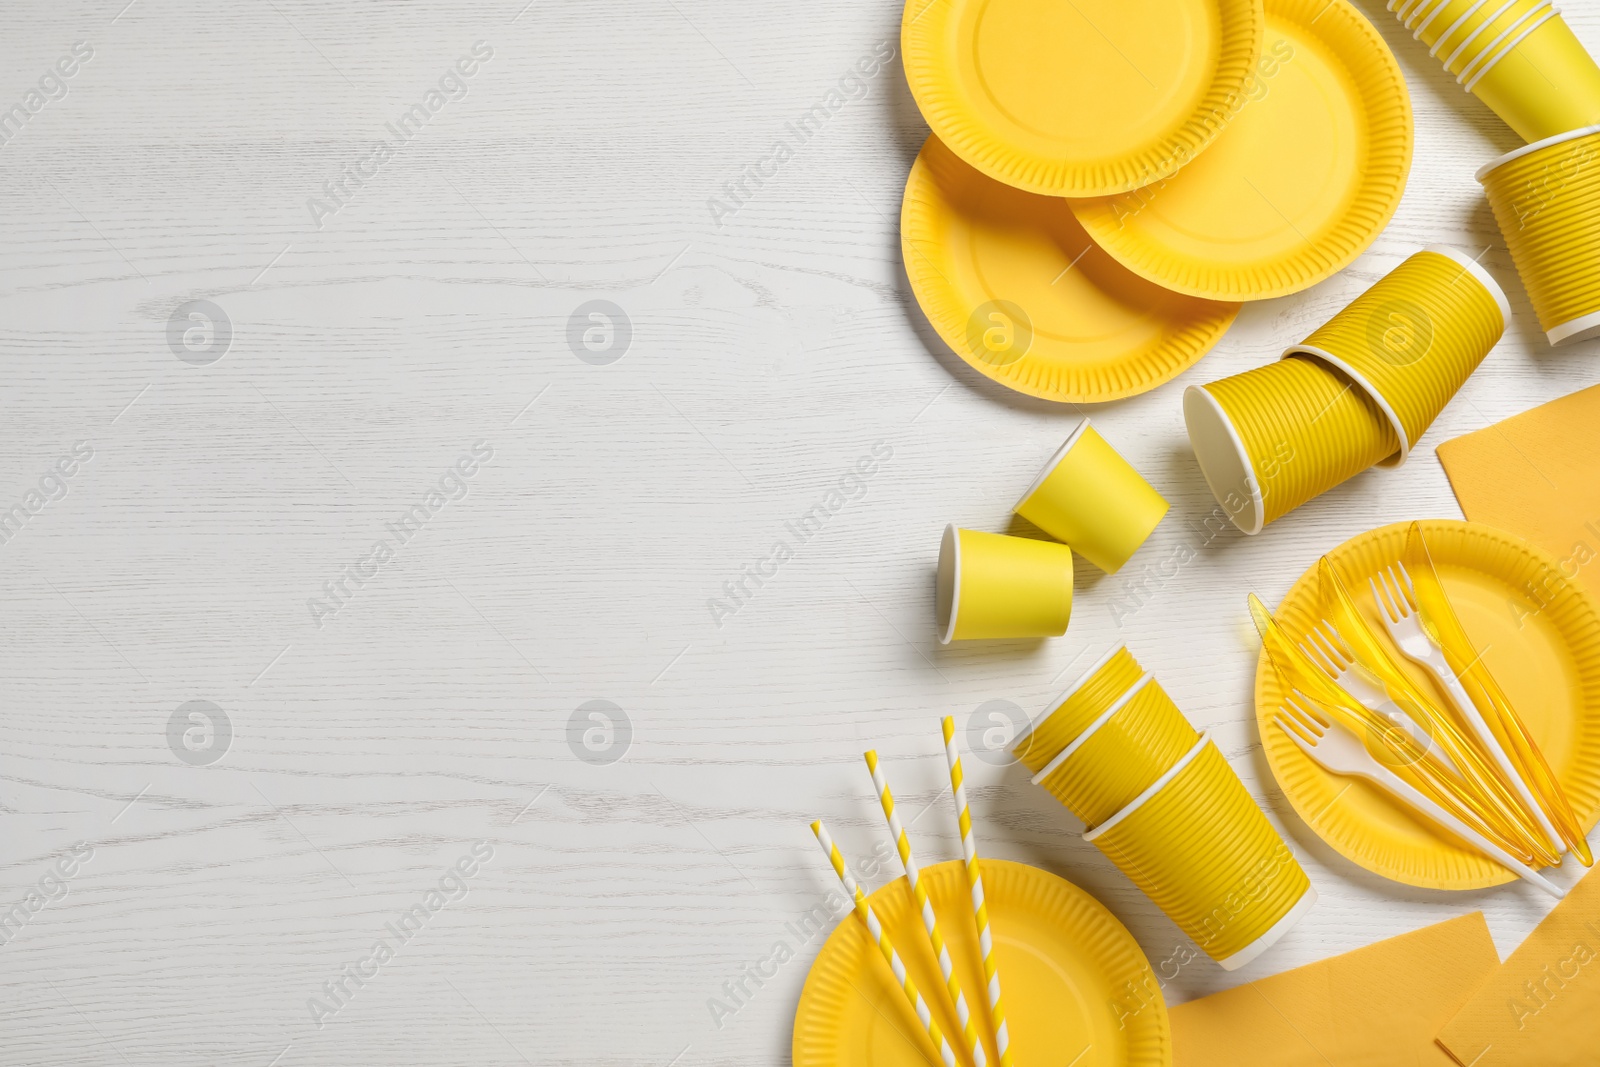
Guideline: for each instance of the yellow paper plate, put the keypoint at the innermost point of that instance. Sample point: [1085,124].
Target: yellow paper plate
[1298,184]
[1540,635]
[1012,283]
[1079,98]
[1078,990]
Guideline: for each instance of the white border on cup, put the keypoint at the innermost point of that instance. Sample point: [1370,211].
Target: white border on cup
[947,583]
[1570,135]
[1150,791]
[1105,717]
[1055,461]
[1218,444]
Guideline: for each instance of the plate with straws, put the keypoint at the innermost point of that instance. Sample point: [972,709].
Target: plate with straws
[1076,982]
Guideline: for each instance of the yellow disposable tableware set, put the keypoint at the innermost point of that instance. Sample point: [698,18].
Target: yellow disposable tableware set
[1105,184]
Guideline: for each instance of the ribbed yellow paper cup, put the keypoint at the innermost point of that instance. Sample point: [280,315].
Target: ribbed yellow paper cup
[1069,714]
[1198,846]
[994,586]
[1412,340]
[1091,498]
[1546,198]
[1270,439]
[1132,743]
[1540,80]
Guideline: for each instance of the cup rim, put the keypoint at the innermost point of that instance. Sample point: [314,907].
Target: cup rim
[1274,932]
[1367,387]
[1202,398]
[1582,328]
[1055,461]
[1079,741]
[1540,12]
[1477,5]
[949,549]
[1055,705]
[1477,270]
[1500,161]
[1551,12]
[1152,789]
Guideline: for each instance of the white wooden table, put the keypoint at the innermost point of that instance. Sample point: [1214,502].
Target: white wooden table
[368,716]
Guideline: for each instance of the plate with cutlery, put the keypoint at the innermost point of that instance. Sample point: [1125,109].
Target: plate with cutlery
[1428,696]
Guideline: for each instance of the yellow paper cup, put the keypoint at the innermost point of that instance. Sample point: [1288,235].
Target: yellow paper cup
[1465,36]
[1197,845]
[1092,499]
[1546,199]
[994,586]
[1540,80]
[1270,439]
[1412,339]
[1069,714]
[1133,742]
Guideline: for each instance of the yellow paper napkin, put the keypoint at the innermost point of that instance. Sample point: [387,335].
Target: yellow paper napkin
[1378,1006]
[1543,1006]
[1537,475]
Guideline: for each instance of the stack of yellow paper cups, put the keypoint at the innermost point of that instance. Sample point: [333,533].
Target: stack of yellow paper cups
[1358,392]
[1167,809]
[1517,56]
[1546,198]
[992,586]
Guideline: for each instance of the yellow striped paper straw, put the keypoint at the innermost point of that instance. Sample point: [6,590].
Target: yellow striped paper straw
[980,909]
[902,843]
[875,928]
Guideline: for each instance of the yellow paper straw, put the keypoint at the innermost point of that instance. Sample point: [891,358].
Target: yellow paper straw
[875,929]
[930,921]
[980,909]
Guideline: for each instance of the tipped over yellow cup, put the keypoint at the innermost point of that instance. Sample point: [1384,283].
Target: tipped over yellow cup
[1546,200]
[1272,438]
[1413,338]
[1091,498]
[991,586]
[1197,845]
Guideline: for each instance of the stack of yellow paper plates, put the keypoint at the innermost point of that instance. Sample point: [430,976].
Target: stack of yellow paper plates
[1298,184]
[1082,97]
[1013,284]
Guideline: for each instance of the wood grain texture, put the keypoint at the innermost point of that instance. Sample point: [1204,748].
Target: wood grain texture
[430,313]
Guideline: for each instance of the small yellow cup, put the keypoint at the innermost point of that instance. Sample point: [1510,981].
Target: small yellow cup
[1546,199]
[1197,845]
[1133,742]
[1414,337]
[1091,498]
[1270,439]
[1541,80]
[995,586]
[1070,713]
